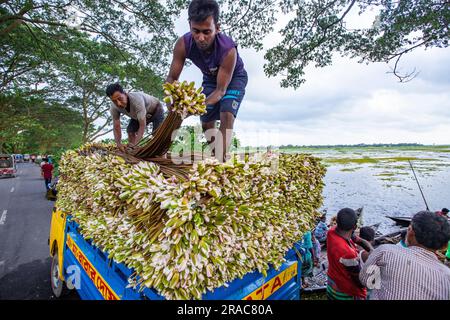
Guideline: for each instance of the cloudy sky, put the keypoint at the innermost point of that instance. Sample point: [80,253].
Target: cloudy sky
[346,103]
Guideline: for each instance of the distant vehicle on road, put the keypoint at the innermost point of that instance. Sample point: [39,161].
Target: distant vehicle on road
[18,157]
[26,157]
[7,166]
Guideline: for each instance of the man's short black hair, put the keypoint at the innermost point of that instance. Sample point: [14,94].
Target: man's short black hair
[113,88]
[200,10]
[444,210]
[346,219]
[431,230]
[367,233]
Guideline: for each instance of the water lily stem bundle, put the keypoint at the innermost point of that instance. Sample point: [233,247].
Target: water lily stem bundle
[198,229]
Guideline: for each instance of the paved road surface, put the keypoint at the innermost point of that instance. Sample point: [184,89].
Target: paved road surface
[25,216]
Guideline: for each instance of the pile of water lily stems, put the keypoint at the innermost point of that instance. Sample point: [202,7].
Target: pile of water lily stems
[189,228]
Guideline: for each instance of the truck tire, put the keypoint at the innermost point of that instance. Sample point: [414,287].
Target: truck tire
[59,288]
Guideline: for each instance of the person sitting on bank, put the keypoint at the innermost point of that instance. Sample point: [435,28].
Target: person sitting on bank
[142,108]
[414,273]
[344,258]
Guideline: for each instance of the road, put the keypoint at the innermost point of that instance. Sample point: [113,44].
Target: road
[25,216]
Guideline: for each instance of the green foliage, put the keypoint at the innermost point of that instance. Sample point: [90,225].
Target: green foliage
[86,74]
[31,125]
[59,55]
[47,57]
[143,28]
[318,30]
[191,139]
[315,30]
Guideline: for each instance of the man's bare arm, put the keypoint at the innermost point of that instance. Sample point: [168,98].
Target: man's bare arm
[141,131]
[223,77]
[178,59]
[117,130]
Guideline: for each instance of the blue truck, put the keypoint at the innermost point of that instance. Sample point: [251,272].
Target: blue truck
[77,264]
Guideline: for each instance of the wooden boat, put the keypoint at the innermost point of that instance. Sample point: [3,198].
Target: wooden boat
[401,221]
[390,238]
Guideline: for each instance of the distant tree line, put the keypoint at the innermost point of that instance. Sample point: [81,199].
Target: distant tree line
[289,146]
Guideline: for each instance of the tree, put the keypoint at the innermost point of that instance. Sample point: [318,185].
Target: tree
[34,33]
[316,29]
[29,125]
[68,66]
[319,29]
[86,74]
[144,28]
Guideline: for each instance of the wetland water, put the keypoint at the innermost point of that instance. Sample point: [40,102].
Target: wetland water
[381,180]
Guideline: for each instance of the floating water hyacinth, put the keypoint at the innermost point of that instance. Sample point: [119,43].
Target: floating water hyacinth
[189,233]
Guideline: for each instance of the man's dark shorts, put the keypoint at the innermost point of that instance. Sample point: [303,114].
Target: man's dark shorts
[156,120]
[230,102]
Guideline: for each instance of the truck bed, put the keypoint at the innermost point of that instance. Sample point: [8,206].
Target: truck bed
[102,278]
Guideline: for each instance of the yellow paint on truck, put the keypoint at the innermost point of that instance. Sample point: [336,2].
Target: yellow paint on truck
[56,240]
[269,287]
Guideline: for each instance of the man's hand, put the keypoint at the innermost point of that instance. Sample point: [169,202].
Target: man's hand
[131,146]
[363,243]
[169,106]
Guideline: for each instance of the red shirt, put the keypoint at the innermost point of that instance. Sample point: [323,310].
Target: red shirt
[47,169]
[338,249]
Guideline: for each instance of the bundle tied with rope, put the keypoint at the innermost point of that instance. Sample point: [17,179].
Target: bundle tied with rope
[190,228]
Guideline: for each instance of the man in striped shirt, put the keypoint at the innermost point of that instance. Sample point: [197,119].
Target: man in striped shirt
[413,273]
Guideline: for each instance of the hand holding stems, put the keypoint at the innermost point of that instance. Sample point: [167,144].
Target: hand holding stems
[121,147]
[126,147]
